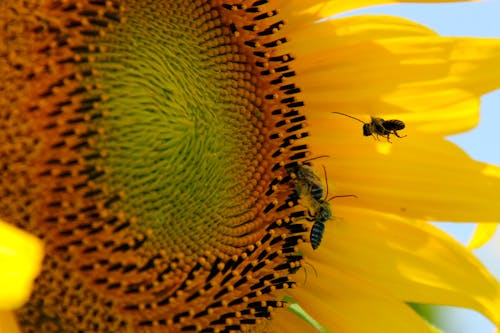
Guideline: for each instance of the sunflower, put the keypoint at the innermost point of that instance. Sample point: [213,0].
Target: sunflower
[167,154]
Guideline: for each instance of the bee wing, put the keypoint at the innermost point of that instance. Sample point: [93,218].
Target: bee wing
[379,126]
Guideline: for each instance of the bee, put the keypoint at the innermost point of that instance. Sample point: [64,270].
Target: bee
[380,127]
[318,227]
[308,182]
[309,188]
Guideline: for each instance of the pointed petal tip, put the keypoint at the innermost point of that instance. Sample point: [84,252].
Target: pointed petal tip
[482,234]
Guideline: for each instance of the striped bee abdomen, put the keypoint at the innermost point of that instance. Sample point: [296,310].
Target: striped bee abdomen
[317,234]
[393,125]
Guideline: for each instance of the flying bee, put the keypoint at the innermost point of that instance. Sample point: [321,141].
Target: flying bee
[380,127]
[310,190]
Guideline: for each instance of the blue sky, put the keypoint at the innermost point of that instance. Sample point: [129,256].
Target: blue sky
[478,19]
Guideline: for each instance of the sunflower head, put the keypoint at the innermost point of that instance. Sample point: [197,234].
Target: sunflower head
[158,138]
[160,150]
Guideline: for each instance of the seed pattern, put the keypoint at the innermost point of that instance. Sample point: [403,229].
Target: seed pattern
[72,176]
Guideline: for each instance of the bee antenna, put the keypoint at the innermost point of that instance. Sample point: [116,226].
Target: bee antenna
[361,121]
[315,158]
[326,180]
[343,196]
[314,269]
[305,272]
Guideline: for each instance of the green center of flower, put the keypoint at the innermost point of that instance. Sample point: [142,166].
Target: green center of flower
[181,135]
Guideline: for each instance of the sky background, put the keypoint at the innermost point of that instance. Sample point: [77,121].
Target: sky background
[475,19]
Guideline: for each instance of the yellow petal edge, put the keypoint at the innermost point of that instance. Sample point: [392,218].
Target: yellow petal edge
[483,233]
[21,257]
[8,323]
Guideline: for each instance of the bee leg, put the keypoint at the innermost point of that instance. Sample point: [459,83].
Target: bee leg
[396,134]
[388,137]
[309,216]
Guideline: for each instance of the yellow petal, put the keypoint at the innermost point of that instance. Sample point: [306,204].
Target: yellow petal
[420,176]
[327,8]
[380,65]
[21,256]
[483,233]
[8,323]
[436,330]
[337,296]
[417,262]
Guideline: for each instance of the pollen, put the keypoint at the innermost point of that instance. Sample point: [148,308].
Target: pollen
[156,138]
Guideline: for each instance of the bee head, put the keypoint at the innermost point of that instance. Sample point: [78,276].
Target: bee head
[366,130]
[324,212]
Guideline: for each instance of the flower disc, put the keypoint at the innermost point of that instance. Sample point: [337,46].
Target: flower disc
[148,143]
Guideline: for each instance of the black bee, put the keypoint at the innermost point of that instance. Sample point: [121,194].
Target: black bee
[380,127]
[310,190]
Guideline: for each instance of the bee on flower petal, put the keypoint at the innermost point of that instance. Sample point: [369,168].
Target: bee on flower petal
[380,127]
[310,190]
[307,182]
